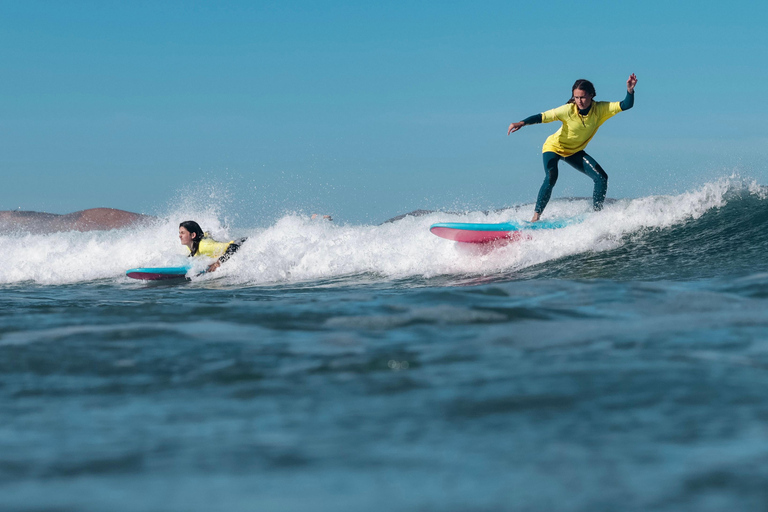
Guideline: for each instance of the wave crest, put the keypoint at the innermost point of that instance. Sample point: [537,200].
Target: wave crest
[297,249]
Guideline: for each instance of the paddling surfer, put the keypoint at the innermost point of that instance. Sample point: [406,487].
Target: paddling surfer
[200,243]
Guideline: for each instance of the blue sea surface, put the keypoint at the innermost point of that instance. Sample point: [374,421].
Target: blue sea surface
[621,364]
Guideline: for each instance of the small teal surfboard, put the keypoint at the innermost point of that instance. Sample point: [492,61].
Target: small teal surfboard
[157,273]
[477,233]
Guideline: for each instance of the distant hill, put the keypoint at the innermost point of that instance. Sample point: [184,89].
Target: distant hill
[93,219]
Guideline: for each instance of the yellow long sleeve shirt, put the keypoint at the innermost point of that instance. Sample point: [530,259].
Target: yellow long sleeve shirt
[577,130]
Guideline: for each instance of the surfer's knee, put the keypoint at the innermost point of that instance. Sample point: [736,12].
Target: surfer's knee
[552,178]
[592,169]
[550,166]
[601,173]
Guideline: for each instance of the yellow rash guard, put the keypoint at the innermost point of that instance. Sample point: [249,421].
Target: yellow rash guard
[211,248]
[577,130]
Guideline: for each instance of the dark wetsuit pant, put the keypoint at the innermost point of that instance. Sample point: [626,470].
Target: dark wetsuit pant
[581,162]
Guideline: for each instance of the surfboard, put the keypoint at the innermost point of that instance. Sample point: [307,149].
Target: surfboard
[157,273]
[478,233]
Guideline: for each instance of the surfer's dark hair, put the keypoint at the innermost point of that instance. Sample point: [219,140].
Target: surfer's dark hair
[195,229]
[582,85]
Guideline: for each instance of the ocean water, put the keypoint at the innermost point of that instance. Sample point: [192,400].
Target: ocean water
[617,364]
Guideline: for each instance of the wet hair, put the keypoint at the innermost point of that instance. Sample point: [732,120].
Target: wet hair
[582,85]
[195,229]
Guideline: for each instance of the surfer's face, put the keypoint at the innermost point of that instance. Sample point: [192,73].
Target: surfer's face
[582,99]
[185,236]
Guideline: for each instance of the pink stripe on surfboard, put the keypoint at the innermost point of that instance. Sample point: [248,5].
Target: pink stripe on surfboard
[474,237]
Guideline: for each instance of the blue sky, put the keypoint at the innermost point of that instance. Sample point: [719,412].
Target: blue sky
[365,111]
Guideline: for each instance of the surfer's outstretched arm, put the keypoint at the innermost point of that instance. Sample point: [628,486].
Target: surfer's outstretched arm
[534,119]
[230,250]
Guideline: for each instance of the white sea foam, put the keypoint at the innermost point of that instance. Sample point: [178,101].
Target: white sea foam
[298,249]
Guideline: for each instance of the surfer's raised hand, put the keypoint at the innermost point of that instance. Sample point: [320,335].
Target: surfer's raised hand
[515,126]
[631,82]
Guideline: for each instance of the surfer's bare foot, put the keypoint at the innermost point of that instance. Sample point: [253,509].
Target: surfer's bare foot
[535,217]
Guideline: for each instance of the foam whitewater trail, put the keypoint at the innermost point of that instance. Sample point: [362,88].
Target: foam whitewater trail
[297,249]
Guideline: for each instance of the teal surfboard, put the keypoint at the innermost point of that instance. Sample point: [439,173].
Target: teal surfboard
[157,273]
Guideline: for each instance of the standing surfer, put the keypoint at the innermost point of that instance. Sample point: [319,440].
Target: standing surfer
[581,117]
